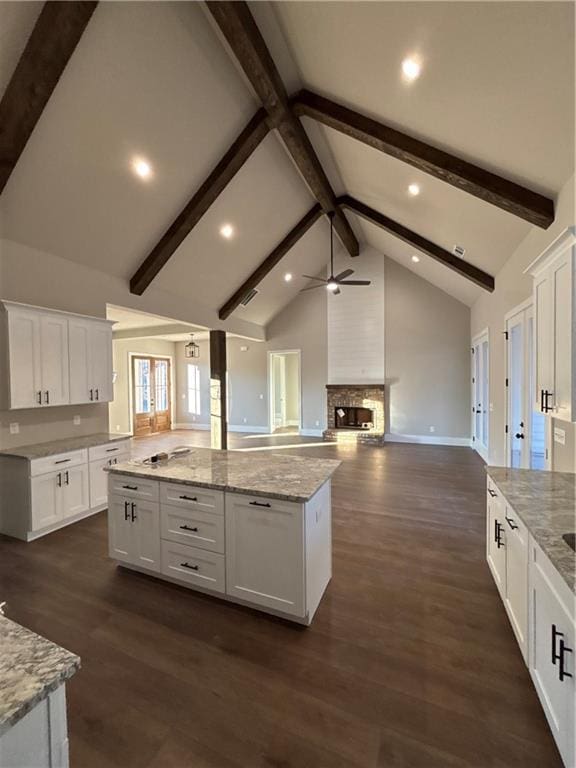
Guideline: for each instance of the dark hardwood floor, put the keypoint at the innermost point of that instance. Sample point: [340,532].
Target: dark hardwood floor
[409,663]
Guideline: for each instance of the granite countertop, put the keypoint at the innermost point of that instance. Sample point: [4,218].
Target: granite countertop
[41,450]
[31,667]
[546,503]
[275,476]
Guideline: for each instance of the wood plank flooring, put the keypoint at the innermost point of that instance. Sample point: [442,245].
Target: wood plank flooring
[409,663]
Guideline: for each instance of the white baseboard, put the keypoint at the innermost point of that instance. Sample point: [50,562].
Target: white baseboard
[392,437]
[311,432]
[191,425]
[248,428]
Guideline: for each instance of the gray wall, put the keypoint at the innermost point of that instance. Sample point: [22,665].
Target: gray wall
[512,288]
[427,358]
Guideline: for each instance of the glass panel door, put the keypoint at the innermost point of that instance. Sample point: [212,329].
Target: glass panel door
[537,418]
[481,394]
[151,395]
[516,392]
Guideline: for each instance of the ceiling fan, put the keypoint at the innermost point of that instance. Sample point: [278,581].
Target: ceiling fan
[334,282]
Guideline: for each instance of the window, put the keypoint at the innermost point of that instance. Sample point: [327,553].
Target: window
[194,389]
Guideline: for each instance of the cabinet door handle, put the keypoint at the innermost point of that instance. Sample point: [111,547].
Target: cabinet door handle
[97,395]
[59,480]
[542,400]
[91,394]
[111,450]
[130,487]
[189,498]
[545,396]
[191,567]
[555,634]
[562,672]
[126,503]
[188,528]
[67,477]
[511,523]
[499,541]
[492,493]
[62,461]
[133,510]
[47,397]
[39,397]
[260,504]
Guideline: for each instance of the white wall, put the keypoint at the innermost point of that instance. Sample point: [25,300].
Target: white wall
[356,323]
[512,288]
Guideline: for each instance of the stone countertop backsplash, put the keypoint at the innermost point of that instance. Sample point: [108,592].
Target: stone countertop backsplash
[31,667]
[53,447]
[546,503]
[290,478]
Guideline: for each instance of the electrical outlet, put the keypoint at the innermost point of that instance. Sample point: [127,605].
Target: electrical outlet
[261,396]
[245,421]
[432,429]
[14,428]
[243,349]
[77,420]
[317,423]
[117,427]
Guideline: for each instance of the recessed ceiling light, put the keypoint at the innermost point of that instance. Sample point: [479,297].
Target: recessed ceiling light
[141,168]
[288,277]
[415,259]
[227,231]
[411,68]
[414,189]
[331,286]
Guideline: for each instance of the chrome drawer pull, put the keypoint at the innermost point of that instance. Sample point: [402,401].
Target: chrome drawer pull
[189,498]
[260,504]
[188,528]
[191,567]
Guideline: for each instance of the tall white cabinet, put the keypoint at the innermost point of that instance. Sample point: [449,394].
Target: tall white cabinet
[53,358]
[554,273]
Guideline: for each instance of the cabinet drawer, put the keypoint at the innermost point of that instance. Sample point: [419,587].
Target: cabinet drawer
[193,527]
[196,567]
[107,451]
[135,487]
[58,462]
[191,497]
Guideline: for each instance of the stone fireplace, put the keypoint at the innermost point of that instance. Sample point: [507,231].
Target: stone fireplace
[355,413]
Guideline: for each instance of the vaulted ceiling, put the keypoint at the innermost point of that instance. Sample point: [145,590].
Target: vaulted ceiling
[154,80]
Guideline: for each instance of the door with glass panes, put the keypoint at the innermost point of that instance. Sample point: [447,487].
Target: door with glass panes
[150,395]
[481,394]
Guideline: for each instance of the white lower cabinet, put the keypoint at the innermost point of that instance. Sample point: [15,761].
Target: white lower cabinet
[542,612]
[59,495]
[265,552]
[270,554]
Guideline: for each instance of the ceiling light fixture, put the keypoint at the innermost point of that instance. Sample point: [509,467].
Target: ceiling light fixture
[415,259]
[227,231]
[414,189]
[411,69]
[332,286]
[141,168]
[288,276]
[191,349]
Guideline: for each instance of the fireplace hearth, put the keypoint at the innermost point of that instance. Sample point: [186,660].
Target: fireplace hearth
[355,413]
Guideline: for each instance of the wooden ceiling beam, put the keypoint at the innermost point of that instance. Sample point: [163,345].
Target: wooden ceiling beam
[487,186]
[450,260]
[250,138]
[271,260]
[54,38]
[247,44]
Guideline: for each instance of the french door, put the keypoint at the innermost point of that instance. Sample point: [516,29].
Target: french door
[526,427]
[481,394]
[151,395]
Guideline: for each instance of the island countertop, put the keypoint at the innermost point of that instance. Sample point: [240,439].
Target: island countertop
[546,502]
[31,667]
[54,447]
[291,478]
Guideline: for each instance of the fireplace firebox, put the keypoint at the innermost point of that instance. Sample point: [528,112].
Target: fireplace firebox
[349,417]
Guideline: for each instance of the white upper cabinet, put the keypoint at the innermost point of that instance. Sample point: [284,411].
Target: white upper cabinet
[554,273]
[54,358]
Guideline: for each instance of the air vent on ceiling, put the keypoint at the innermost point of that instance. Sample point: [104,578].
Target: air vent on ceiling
[249,296]
[459,251]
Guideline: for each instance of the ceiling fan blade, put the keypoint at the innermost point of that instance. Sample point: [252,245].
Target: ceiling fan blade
[354,282]
[311,288]
[343,275]
[311,277]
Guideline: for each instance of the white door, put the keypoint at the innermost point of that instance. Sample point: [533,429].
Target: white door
[561,286]
[265,552]
[75,490]
[481,394]
[145,518]
[101,361]
[46,500]
[24,354]
[54,359]
[543,338]
[517,577]
[98,482]
[79,348]
[279,390]
[496,540]
[120,526]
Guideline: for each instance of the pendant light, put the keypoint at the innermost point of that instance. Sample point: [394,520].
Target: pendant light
[191,349]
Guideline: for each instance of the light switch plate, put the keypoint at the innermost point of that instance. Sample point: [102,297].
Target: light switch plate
[14,428]
[559,436]
[77,420]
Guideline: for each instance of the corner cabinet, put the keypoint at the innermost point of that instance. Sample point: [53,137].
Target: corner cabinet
[554,273]
[53,358]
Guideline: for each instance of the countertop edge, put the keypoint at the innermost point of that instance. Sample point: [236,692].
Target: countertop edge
[18,452]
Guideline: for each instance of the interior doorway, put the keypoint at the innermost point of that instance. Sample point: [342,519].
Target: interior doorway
[526,426]
[284,391]
[151,395]
[481,394]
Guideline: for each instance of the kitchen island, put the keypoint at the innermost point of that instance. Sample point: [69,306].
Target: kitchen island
[254,529]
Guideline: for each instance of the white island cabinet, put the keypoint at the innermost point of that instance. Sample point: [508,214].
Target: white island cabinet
[271,552]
